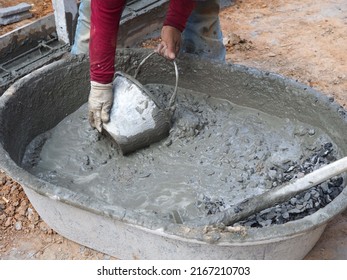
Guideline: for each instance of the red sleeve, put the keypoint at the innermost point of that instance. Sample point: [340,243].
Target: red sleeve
[105,17]
[178,13]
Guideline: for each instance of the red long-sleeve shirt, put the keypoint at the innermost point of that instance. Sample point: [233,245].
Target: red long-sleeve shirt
[105,17]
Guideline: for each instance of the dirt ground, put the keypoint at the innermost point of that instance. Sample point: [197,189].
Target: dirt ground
[302,39]
[39,9]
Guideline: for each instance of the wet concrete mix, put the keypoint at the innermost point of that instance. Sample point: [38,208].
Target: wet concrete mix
[217,155]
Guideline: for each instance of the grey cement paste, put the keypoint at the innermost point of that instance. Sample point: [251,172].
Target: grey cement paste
[216,151]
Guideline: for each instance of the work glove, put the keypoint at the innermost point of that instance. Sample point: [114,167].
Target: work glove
[100,103]
[170,44]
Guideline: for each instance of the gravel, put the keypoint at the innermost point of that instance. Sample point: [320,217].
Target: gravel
[303,204]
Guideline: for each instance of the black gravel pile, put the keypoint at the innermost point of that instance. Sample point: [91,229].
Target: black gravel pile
[305,203]
[299,206]
[213,206]
[292,170]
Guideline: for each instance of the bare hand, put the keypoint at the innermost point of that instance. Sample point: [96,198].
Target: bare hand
[170,42]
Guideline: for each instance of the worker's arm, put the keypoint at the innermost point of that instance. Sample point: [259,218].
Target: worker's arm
[178,13]
[175,22]
[105,17]
[104,25]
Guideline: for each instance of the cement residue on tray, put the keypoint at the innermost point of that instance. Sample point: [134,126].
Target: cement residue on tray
[216,151]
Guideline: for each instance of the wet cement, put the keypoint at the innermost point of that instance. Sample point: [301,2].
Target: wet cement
[216,151]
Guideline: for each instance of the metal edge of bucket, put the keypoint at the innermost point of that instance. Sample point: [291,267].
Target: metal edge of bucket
[298,227]
[139,85]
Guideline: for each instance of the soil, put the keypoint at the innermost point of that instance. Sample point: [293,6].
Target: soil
[301,39]
[39,9]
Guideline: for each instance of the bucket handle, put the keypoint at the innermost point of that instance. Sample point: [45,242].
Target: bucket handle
[174,95]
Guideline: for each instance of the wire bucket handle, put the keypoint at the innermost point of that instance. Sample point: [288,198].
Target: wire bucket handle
[174,95]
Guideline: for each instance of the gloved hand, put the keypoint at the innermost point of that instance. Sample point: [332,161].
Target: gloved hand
[169,46]
[100,103]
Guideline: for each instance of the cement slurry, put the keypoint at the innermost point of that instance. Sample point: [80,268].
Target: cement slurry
[216,150]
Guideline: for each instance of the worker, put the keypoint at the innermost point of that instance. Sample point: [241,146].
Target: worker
[190,26]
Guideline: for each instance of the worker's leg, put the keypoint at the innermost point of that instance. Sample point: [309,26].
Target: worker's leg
[203,35]
[81,43]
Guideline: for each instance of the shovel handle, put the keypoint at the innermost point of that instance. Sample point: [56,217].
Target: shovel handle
[174,95]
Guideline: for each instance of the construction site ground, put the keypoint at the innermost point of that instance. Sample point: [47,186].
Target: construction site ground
[301,39]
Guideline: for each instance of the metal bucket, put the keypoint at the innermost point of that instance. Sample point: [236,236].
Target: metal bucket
[136,118]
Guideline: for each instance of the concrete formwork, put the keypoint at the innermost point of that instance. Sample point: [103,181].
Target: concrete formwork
[139,19]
